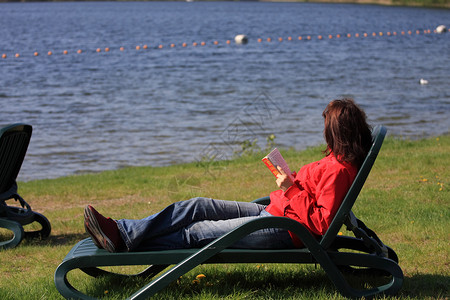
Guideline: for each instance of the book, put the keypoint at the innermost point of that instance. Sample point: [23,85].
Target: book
[275,159]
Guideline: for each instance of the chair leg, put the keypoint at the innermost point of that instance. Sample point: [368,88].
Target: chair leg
[62,283]
[350,243]
[46,227]
[17,230]
[371,262]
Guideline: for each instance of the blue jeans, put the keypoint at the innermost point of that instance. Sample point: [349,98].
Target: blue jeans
[196,222]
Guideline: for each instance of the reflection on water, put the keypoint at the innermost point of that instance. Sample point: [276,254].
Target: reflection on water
[97,111]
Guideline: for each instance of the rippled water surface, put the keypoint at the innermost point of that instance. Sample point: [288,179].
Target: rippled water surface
[105,110]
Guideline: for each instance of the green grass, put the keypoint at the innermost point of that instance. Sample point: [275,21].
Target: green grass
[405,200]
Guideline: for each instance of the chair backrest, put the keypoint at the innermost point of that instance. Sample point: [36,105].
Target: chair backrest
[14,141]
[378,134]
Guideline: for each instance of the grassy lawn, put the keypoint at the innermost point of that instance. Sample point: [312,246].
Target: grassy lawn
[406,200]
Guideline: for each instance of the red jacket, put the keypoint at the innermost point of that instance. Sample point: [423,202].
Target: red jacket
[315,196]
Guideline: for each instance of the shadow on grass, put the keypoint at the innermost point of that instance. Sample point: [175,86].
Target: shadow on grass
[56,240]
[66,239]
[426,285]
[226,281]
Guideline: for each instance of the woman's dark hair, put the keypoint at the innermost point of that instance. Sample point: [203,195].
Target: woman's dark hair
[347,133]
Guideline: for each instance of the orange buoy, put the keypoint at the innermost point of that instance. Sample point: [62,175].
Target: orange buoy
[79,51]
[349,35]
[374,34]
[280,39]
[365,34]
[160,46]
[308,37]
[194,44]
[4,55]
[138,47]
[299,38]
[122,48]
[65,52]
[330,36]
[145,47]
[17,55]
[184,44]
[269,39]
[98,50]
[409,32]
[319,37]
[394,33]
[417,32]
[172,45]
[356,34]
[216,43]
[388,33]
[228,42]
[106,49]
[380,33]
[36,53]
[289,38]
[338,35]
[49,52]
[259,40]
[202,43]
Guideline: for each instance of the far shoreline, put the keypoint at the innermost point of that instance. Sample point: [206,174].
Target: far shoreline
[412,3]
[406,3]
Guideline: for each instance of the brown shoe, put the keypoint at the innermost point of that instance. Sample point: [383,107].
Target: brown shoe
[96,242]
[103,231]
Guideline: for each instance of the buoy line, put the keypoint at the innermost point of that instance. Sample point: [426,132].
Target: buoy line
[240,39]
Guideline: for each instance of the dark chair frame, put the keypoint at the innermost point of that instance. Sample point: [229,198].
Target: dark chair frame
[330,252]
[14,141]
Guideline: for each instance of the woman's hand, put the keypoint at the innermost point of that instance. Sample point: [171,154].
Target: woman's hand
[283,180]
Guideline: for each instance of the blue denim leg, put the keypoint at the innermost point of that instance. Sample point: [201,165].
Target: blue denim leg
[138,234]
[200,233]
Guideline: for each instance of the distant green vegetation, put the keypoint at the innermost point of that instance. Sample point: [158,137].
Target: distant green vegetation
[405,200]
[443,3]
[424,3]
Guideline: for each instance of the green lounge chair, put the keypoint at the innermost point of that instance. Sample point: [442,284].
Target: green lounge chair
[14,140]
[330,252]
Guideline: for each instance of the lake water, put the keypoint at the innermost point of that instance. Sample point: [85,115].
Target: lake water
[105,110]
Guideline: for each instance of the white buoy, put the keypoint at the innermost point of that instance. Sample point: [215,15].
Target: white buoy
[241,39]
[441,29]
[423,81]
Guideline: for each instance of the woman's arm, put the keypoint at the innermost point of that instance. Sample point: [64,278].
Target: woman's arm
[316,209]
[283,180]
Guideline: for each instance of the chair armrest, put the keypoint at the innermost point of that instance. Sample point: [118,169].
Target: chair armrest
[263,200]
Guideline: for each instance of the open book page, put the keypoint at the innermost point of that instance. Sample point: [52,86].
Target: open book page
[275,159]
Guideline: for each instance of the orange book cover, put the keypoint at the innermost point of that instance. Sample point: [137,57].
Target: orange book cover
[275,159]
[271,167]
